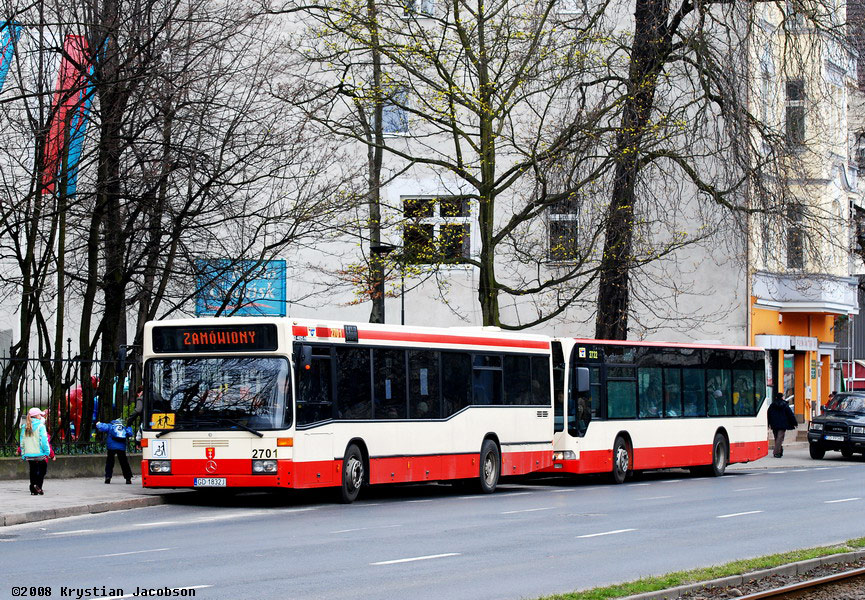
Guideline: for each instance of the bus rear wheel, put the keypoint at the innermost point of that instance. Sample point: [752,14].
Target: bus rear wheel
[621,460]
[352,475]
[490,467]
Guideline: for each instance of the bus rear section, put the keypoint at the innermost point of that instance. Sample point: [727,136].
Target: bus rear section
[633,406]
[332,405]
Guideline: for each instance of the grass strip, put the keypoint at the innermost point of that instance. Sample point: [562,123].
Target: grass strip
[663,582]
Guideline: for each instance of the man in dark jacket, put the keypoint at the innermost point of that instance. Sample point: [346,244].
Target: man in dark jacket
[781,418]
[118,433]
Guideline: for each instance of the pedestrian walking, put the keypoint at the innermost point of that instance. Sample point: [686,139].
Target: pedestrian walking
[117,434]
[781,419]
[34,448]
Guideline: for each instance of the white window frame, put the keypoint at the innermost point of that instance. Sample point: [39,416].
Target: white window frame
[572,217]
[438,222]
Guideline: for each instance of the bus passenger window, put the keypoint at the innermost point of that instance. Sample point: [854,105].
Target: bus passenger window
[694,396]
[390,397]
[487,380]
[651,395]
[673,393]
[621,399]
[424,396]
[540,381]
[354,400]
[743,392]
[718,392]
[518,380]
[456,382]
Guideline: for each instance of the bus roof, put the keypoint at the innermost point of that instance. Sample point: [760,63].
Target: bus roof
[666,344]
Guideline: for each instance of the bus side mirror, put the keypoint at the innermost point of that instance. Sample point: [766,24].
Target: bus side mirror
[582,379]
[304,358]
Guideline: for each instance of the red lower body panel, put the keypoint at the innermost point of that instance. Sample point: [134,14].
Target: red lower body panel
[601,461]
[402,469]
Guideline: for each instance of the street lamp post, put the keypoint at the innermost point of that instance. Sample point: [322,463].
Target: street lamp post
[382,250]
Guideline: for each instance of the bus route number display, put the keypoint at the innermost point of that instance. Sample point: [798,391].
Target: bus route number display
[215,338]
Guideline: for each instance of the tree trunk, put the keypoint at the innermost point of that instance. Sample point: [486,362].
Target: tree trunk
[650,47]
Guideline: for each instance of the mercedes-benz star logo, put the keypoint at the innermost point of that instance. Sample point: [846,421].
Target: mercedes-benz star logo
[210,467]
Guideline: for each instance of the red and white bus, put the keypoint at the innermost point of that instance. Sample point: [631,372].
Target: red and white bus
[291,403]
[630,406]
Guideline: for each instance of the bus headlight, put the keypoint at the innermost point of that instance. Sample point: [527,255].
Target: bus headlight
[566,455]
[159,467]
[263,467]
[816,426]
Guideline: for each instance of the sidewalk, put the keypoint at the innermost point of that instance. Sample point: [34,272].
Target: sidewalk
[71,497]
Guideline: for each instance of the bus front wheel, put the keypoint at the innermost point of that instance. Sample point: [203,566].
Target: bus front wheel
[621,460]
[490,467]
[720,456]
[352,475]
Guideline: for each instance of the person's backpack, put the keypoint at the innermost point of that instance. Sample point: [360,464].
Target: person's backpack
[118,431]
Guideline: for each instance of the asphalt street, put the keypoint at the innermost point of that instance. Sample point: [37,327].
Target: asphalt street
[434,541]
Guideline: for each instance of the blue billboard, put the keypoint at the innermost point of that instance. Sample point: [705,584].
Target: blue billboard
[246,288]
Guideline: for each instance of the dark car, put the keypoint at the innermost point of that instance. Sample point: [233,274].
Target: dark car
[841,427]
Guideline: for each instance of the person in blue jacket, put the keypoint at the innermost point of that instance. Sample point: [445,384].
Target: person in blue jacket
[34,448]
[117,434]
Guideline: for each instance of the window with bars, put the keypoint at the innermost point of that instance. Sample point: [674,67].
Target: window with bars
[419,8]
[437,230]
[563,222]
[795,113]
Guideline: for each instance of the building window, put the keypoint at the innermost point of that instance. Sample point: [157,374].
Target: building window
[437,230]
[795,113]
[795,18]
[563,219]
[420,8]
[394,116]
[795,238]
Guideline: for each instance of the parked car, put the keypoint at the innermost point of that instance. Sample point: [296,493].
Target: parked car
[841,427]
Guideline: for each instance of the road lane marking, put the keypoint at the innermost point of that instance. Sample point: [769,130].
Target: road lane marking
[762,487]
[741,514]
[842,500]
[830,480]
[821,469]
[798,470]
[672,481]
[655,498]
[74,531]
[470,497]
[125,553]
[413,559]
[525,510]
[509,495]
[155,523]
[418,501]
[188,587]
[591,535]
[365,528]
[639,484]
[563,491]
[778,472]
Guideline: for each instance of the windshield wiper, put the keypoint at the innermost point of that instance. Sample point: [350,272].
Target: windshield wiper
[241,425]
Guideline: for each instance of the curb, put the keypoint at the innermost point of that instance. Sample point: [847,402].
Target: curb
[73,511]
[790,569]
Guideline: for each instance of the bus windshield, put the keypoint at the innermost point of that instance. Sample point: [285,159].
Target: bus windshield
[217,393]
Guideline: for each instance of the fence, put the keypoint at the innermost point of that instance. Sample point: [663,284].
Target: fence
[73,404]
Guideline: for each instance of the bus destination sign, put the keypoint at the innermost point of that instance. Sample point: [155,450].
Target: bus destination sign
[215,338]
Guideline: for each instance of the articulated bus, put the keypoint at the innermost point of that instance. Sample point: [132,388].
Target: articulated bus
[634,406]
[291,403]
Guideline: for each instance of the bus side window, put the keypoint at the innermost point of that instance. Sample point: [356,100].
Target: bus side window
[456,382]
[424,396]
[518,379]
[694,396]
[541,381]
[353,397]
[389,387]
[314,393]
